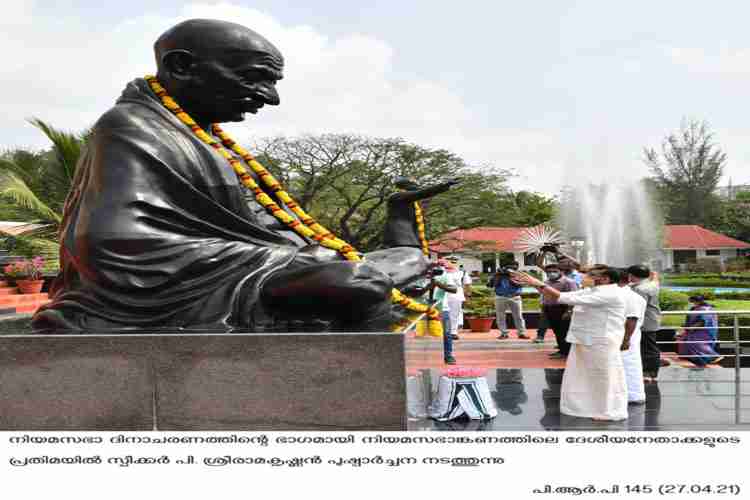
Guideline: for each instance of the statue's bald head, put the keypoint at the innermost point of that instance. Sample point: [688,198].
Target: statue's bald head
[218,70]
[211,38]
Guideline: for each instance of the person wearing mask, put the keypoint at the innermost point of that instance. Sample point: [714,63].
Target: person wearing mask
[698,340]
[594,384]
[570,269]
[441,285]
[456,300]
[646,284]
[558,315]
[508,296]
[568,265]
[635,311]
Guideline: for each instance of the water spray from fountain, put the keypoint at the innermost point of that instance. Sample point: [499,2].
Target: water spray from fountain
[617,223]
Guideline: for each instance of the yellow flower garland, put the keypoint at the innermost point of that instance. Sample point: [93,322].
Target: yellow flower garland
[420,228]
[305,225]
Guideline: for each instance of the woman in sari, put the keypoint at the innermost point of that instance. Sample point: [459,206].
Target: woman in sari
[698,340]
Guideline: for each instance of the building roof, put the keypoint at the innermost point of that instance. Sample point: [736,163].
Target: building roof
[500,239]
[482,239]
[693,237]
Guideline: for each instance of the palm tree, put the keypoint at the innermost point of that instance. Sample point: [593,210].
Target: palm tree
[36,183]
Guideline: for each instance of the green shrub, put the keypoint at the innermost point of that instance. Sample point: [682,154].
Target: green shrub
[31,247]
[727,334]
[479,305]
[672,301]
[706,282]
[677,276]
[532,304]
[708,293]
[737,264]
[733,296]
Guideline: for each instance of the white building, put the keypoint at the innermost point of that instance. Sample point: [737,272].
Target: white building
[483,249]
[688,243]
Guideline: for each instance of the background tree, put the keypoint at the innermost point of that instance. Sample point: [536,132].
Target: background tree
[686,171]
[533,209]
[33,188]
[345,180]
[34,185]
[734,218]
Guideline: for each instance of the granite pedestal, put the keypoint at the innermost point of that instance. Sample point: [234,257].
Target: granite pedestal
[295,381]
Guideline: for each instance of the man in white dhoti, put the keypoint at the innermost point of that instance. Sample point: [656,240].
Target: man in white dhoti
[635,311]
[594,379]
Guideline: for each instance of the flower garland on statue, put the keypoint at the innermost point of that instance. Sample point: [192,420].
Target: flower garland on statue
[305,225]
[420,228]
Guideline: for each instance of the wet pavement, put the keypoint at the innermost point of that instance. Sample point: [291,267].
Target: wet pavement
[528,399]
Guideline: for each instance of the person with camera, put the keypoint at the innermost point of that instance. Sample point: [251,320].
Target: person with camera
[456,300]
[508,296]
[440,286]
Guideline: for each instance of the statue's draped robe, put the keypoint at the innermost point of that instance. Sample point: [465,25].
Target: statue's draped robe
[157,231]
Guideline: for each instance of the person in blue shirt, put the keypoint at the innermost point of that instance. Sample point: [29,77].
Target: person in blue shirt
[508,296]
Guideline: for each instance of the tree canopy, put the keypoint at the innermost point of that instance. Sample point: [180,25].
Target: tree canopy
[34,184]
[687,171]
[344,181]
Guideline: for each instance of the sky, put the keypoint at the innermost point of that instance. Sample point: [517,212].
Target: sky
[558,92]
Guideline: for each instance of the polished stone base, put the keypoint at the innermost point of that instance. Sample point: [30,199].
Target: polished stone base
[528,399]
[304,381]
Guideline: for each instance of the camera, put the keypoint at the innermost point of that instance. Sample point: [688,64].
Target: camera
[506,270]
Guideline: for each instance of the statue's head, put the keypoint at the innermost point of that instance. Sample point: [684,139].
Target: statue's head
[218,71]
[406,183]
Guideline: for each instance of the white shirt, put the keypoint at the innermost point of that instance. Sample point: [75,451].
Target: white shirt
[461,279]
[441,296]
[598,314]
[635,307]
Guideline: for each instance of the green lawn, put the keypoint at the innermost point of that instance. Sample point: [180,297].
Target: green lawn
[719,304]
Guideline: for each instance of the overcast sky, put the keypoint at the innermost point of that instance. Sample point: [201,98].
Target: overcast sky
[554,90]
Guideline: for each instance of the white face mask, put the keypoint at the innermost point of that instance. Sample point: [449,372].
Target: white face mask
[553,275]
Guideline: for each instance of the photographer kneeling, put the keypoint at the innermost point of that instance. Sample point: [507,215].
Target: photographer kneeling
[508,295]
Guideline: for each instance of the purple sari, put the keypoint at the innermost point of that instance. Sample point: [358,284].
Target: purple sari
[706,328]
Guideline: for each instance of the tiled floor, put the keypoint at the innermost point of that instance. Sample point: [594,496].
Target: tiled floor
[525,387]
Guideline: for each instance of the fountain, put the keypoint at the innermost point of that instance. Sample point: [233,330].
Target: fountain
[618,223]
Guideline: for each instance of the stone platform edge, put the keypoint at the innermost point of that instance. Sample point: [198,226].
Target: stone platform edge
[203,382]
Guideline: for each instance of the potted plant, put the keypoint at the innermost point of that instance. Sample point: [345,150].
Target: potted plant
[27,274]
[479,309]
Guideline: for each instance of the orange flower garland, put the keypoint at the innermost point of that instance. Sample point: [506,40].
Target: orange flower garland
[420,228]
[305,225]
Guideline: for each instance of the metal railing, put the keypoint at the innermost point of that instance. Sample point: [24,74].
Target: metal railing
[736,342]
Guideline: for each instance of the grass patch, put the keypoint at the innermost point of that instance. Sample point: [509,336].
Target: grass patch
[676,321]
[706,282]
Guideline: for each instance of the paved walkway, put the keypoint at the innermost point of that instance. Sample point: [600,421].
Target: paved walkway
[483,350]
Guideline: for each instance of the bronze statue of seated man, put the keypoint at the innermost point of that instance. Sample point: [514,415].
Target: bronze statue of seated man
[157,233]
